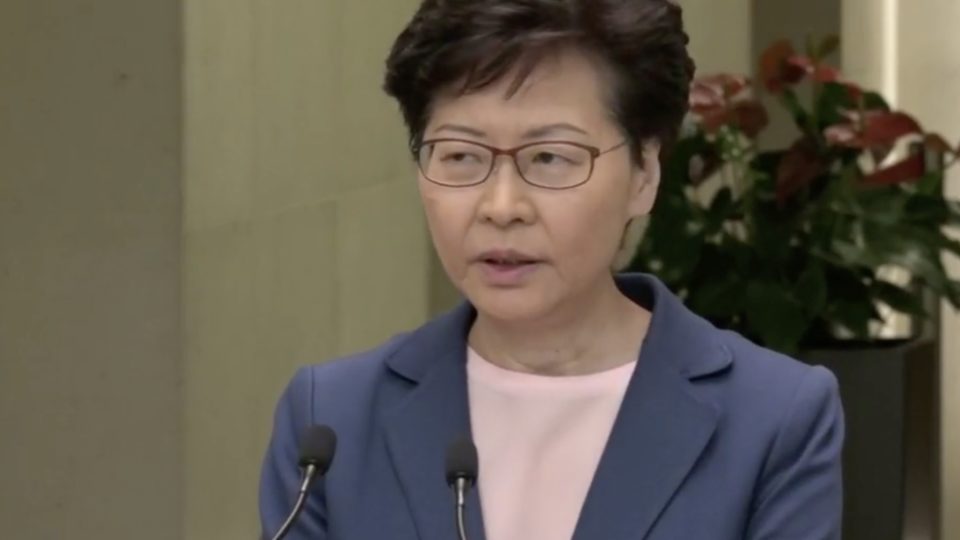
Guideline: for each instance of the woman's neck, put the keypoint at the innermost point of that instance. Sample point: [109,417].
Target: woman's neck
[601,331]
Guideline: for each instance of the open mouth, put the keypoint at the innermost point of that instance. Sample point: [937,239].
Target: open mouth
[507,267]
[508,272]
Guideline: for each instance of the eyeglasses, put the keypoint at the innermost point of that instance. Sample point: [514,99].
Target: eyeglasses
[545,164]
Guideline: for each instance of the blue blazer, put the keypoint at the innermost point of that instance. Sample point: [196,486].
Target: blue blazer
[716,439]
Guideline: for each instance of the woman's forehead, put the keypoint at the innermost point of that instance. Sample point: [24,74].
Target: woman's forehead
[562,88]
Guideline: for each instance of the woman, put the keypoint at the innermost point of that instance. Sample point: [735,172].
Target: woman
[602,409]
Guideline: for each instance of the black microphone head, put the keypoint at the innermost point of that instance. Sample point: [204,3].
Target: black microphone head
[317,448]
[462,461]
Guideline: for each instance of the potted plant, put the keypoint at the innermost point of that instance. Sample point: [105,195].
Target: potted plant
[789,246]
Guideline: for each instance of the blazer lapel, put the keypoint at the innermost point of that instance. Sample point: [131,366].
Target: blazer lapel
[660,432]
[661,428]
[432,415]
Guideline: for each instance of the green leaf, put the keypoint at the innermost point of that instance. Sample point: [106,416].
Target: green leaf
[954,295]
[721,297]
[895,251]
[854,315]
[954,209]
[674,238]
[932,211]
[930,240]
[676,166]
[811,288]
[834,98]
[925,267]
[942,241]
[849,254]
[931,184]
[791,102]
[811,46]
[722,201]
[774,316]
[872,101]
[898,298]
[882,206]
[721,207]
[772,231]
[828,46]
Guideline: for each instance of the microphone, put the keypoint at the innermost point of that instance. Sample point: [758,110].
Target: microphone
[461,476]
[316,453]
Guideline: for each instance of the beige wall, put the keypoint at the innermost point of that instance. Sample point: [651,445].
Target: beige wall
[304,238]
[928,67]
[869,36]
[909,48]
[89,269]
[719,32]
[144,341]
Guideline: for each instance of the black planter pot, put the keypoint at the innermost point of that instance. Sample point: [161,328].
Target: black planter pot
[890,397]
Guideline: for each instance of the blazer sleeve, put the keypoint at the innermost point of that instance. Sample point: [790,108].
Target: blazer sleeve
[280,476]
[800,493]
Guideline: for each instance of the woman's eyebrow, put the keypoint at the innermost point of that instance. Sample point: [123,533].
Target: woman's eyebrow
[537,132]
[463,130]
[549,129]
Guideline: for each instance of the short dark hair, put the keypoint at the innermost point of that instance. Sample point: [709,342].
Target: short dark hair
[642,43]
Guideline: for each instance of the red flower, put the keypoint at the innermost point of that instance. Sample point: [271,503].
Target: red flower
[780,67]
[910,169]
[723,100]
[872,130]
[798,167]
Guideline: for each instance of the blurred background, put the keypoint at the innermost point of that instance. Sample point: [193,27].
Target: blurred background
[196,197]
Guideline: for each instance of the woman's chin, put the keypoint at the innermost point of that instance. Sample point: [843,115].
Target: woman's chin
[510,305]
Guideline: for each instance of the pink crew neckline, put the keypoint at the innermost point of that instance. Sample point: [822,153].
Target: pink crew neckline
[490,374]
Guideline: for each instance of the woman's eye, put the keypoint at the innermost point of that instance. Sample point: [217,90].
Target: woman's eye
[547,158]
[459,157]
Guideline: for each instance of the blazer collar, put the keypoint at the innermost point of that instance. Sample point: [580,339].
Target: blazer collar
[660,431]
[662,428]
[433,414]
[673,326]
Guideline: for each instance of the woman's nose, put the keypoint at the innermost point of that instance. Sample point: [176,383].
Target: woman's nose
[506,198]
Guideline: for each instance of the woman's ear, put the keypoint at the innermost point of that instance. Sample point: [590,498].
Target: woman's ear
[645,180]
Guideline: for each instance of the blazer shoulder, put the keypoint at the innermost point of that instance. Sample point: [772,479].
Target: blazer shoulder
[770,387]
[333,391]
[355,364]
[348,374]
[758,365]
[792,415]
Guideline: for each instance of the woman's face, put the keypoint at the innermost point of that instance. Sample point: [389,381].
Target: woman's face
[515,250]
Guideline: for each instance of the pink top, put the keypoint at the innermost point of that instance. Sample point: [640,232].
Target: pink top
[539,440]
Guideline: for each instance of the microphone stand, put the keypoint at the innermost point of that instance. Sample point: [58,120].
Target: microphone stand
[460,488]
[308,475]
